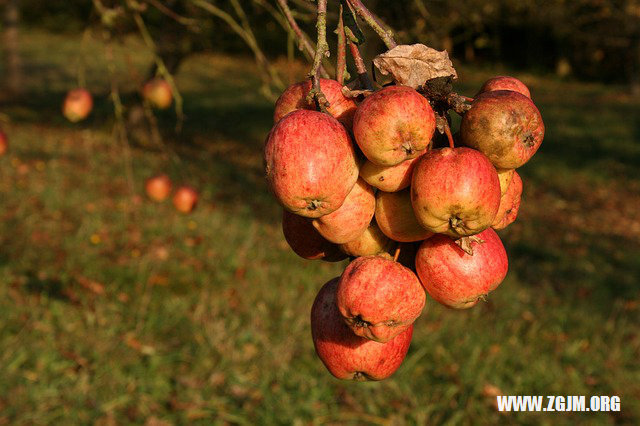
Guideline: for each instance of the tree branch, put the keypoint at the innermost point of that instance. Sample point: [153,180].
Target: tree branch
[374,22]
[341,62]
[322,50]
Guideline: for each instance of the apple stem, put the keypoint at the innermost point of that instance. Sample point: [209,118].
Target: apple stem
[447,130]
[374,22]
[322,49]
[397,253]
[341,63]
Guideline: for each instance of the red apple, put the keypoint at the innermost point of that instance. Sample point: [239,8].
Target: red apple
[455,191]
[509,204]
[305,241]
[505,125]
[158,188]
[371,242]
[295,97]
[505,83]
[456,279]
[505,176]
[347,356]
[158,92]
[185,199]
[396,218]
[352,218]
[379,298]
[310,162]
[389,178]
[4,143]
[77,105]
[393,125]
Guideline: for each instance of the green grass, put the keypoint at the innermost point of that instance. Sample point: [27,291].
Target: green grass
[116,310]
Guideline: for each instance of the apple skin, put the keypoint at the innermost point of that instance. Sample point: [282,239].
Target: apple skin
[185,199]
[396,218]
[371,242]
[347,356]
[455,191]
[4,143]
[505,176]
[503,82]
[509,204]
[77,105]
[352,218]
[393,125]
[456,279]
[505,125]
[158,188]
[389,178]
[158,92]
[305,240]
[295,97]
[379,298]
[311,164]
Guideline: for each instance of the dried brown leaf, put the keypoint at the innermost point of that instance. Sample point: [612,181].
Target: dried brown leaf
[412,65]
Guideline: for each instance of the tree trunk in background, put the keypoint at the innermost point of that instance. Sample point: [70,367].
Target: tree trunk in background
[10,42]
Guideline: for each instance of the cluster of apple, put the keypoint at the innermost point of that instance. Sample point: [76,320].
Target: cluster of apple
[364,181]
[158,188]
[78,102]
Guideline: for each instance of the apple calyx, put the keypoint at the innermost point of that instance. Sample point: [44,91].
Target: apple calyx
[359,376]
[465,244]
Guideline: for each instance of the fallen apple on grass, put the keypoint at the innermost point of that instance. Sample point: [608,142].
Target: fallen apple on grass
[185,199]
[158,188]
[4,143]
[77,105]
[158,93]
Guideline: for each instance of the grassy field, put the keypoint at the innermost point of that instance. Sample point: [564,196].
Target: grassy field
[117,310]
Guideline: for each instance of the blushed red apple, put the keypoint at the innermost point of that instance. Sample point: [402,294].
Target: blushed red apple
[295,97]
[505,125]
[371,242]
[158,92]
[305,240]
[456,279]
[455,191]
[77,105]
[352,218]
[393,125]
[379,298]
[158,187]
[347,356]
[389,178]
[185,199]
[396,218]
[310,162]
[509,204]
[503,82]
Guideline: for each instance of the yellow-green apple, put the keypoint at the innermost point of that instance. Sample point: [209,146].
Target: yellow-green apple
[505,176]
[396,218]
[295,97]
[77,105]
[393,125]
[379,298]
[389,178]
[4,143]
[185,199]
[455,191]
[456,279]
[371,242]
[352,218]
[158,187]
[305,240]
[505,83]
[509,204]
[505,125]
[158,92]
[310,163]
[347,356]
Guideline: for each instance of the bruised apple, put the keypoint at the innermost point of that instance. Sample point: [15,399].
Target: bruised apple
[158,92]
[158,187]
[455,191]
[393,125]
[77,105]
[310,162]
[371,242]
[305,240]
[505,125]
[509,204]
[396,218]
[347,356]
[295,97]
[352,218]
[503,82]
[505,176]
[456,279]
[379,298]
[185,199]
[388,178]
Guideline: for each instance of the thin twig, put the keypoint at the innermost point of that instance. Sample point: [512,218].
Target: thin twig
[397,253]
[361,68]
[374,22]
[341,62]
[322,49]
[171,14]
